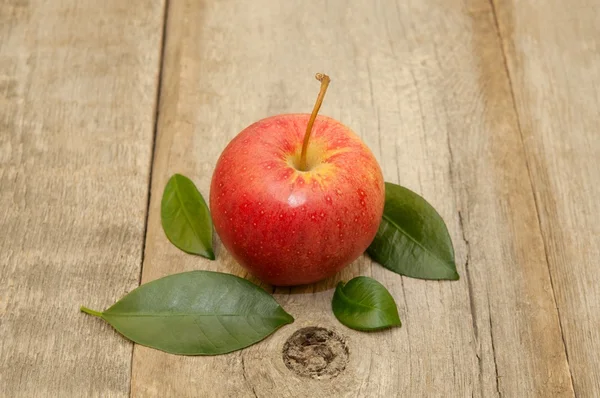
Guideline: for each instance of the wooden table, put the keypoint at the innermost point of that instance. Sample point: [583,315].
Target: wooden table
[490,110]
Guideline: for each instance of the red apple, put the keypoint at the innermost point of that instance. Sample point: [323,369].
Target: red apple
[291,223]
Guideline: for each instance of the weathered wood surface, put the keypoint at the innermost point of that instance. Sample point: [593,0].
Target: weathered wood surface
[489,109]
[78,84]
[553,56]
[425,86]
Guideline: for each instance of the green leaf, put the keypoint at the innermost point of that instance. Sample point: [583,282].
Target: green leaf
[196,313]
[364,304]
[412,239]
[185,217]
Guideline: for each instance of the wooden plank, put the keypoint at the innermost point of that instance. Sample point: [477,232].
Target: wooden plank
[78,84]
[554,63]
[419,81]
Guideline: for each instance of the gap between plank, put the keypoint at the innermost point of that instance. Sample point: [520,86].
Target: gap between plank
[535,199]
[156,109]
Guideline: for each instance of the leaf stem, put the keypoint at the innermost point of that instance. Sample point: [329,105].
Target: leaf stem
[324,79]
[91,312]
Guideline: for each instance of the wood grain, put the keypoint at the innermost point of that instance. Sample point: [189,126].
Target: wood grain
[423,83]
[554,63]
[78,84]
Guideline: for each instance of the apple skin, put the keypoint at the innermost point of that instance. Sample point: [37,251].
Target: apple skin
[292,227]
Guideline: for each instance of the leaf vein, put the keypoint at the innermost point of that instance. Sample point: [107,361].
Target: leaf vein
[357,303]
[432,254]
[144,315]
[228,331]
[205,335]
[187,216]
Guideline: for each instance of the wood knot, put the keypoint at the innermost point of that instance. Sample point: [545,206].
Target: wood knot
[315,352]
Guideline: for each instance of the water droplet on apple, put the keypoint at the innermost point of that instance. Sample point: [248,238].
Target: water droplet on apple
[262,212]
[254,224]
[322,214]
[220,184]
[355,219]
[362,202]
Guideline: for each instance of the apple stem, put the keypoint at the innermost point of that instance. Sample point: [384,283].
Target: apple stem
[324,79]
